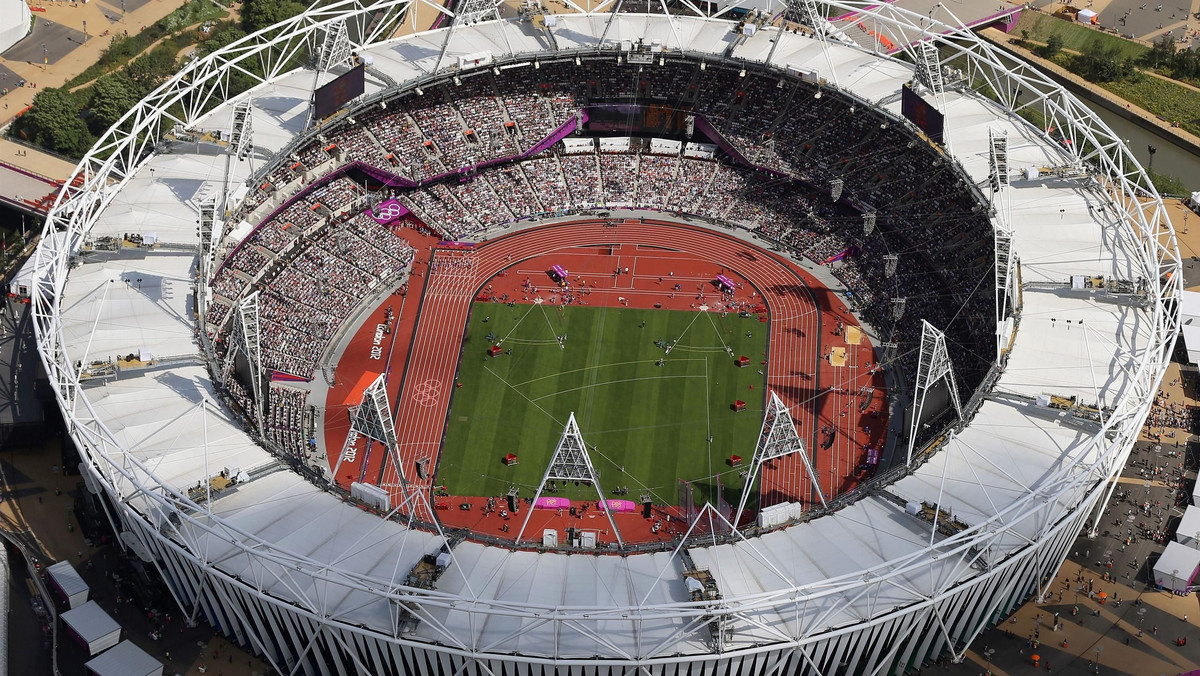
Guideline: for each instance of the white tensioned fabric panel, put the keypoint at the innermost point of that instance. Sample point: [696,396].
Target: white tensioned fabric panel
[1006,452]
[121,305]
[158,419]
[972,119]
[301,521]
[1087,360]
[495,574]
[15,24]
[155,199]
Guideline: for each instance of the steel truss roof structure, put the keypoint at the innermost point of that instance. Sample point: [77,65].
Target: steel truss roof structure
[318,586]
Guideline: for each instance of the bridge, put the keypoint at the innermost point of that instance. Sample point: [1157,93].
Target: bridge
[30,179]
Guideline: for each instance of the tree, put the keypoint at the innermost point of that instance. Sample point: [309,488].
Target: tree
[258,14]
[53,122]
[226,35]
[1102,64]
[1054,45]
[1160,54]
[152,68]
[112,96]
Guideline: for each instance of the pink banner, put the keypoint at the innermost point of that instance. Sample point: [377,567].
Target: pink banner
[552,503]
[387,211]
[621,505]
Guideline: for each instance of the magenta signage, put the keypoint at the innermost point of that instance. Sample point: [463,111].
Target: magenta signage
[387,211]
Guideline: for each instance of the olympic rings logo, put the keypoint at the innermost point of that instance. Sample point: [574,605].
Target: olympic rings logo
[426,393]
[388,211]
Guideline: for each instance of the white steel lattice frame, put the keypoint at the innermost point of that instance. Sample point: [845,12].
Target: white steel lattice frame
[934,366]
[776,439]
[123,149]
[571,462]
[373,419]
[245,340]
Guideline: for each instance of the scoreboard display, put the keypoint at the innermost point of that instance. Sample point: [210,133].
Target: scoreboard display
[922,113]
[336,94]
[634,118]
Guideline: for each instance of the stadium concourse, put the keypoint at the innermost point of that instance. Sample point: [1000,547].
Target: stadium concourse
[646,263]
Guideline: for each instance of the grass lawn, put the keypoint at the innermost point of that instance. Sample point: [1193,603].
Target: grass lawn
[654,421]
[1075,36]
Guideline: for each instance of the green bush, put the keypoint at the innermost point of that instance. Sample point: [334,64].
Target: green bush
[123,48]
[259,14]
[1102,63]
[53,122]
[1054,45]
[1166,185]
[1168,100]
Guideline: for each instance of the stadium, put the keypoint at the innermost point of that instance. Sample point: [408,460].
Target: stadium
[601,343]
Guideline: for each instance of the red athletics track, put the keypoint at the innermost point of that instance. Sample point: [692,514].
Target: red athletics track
[797,372]
[359,367]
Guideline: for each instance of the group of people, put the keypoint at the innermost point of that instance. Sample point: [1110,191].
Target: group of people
[319,280]
[797,143]
[1168,416]
[286,421]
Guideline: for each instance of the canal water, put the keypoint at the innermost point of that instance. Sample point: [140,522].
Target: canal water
[1169,158]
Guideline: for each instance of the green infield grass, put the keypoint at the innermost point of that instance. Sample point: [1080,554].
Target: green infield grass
[650,422]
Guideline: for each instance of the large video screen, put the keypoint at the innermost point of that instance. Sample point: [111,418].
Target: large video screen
[634,119]
[334,95]
[921,113]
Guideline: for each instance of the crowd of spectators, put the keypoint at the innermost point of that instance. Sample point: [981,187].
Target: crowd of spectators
[285,421]
[582,174]
[796,138]
[307,290]
[619,174]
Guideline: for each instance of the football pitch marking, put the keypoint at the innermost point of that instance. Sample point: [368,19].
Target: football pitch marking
[526,398]
[600,366]
[614,382]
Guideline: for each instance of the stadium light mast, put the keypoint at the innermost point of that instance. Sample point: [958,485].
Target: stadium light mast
[245,340]
[776,439]
[933,367]
[471,12]
[571,463]
[808,13]
[373,419]
[998,181]
[333,51]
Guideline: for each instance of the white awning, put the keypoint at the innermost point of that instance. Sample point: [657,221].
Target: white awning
[66,580]
[1176,568]
[94,628]
[126,659]
[1188,532]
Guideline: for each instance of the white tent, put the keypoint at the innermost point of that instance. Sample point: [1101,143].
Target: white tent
[1191,340]
[66,581]
[1085,16]
[94,629]
[1188,532]
[1176,568]
[14,22]
[126,659]
[1189,310]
